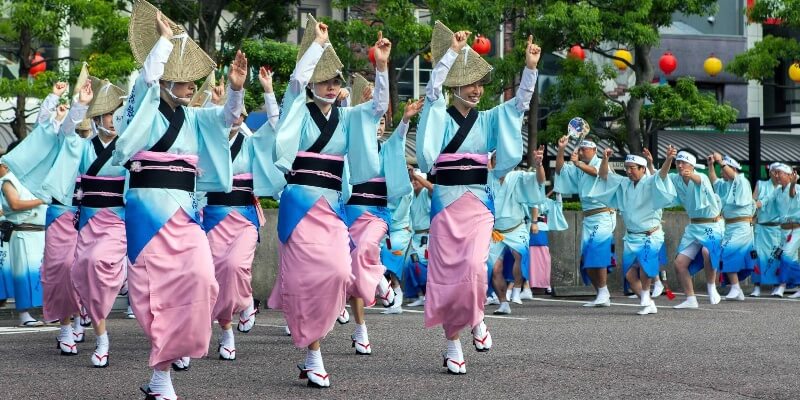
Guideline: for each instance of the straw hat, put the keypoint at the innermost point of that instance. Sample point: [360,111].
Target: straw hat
[85,125]
[82,77]
[329,65]
[202,95]
[359,84]
[469,66]
[187,62]
[107,98]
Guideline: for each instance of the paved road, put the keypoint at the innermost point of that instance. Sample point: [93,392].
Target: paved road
[548,348]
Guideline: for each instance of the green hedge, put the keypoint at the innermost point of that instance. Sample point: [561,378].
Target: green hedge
[576,206]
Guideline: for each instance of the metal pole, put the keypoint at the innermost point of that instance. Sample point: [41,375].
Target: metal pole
[754,148]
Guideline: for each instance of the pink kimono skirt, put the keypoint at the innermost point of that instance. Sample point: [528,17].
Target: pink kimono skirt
[60,300]
[367,232]
[457,274]
[233,245]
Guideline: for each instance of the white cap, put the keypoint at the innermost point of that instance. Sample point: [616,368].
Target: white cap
[773,165]
[732,163]
[638,160]
[689,158]
[779,167]
[588,144]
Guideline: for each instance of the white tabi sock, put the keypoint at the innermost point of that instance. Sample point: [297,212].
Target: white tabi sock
[515,292]
[508,294]
[25,317]
[383,286]
[76,325]
[185,361]
[602,293]
[314,360]
[736,286]
[711,287]
[161,383]
[644,295]
[66,334]
[227,338]
[361,333]
[102,344]
[454,350]
[245,314]
[398,297]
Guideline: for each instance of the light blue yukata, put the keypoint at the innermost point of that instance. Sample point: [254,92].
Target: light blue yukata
[640,205]
[597,235]
[513,198]
[780,202]
[6,278]
[738,251]
[394,251]
[416,273]
[699,201]
[26,248]
[768,237]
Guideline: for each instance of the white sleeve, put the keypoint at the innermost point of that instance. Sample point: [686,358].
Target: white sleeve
[526,87]
[233,105]
[76,114]
[273,111]
[48,107]
[380,95]
[434,89]
[153,68]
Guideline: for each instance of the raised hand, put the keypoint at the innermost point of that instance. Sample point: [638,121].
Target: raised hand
[61,112]
[162,26]
[574,156]
[86,95]
[710,159]
[238,71]
[563,141]
[218,92]
[532,54]
[717,156]
[413,108]
[648,156]
[538,157]
[607,153]
[671,152]
[321,33]
[366,94]
[265,78]
[383,47]
[59,88]
[343,94]
[459,40]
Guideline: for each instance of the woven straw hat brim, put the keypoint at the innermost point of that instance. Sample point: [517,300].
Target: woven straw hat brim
[106,99]
[204,93]
[85,125]
[187,62]
[469,66]
[359,84]
[82,77]
[329,65]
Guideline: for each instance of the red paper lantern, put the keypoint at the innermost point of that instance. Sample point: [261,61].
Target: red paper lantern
[371,55]
[38,65]
[577,52]
[668,63]
[482,45]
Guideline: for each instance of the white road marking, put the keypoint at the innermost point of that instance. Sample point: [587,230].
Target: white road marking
[13,330]
[638,306]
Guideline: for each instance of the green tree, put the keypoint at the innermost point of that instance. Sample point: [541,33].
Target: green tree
[249,19]
[31,25]
[278,56]
[601,27]
[761,62]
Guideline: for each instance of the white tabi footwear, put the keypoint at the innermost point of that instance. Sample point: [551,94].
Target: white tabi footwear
[420,301]
[395,309]
[363,347]
[689,303]
[526,294]
[504,309]
[648,309]
[68,348]
[247,319]
[344,317]
[316,378]
[658,289]
[454,367]
[99,360]
[735,294]
[227,353]
[756,292]
[388,298]
[778,291]
[181,364]
[287,331]
[795,295]
[492,300]
[713,296]
[481,338]
[599,302]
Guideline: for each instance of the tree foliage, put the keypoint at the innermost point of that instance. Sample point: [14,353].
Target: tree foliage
[278,56]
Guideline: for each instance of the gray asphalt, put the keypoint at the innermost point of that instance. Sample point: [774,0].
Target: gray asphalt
[549,348]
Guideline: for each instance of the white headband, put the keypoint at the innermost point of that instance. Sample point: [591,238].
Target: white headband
[782,168]
[773,165]
[732,163]
[588,144]
[688,158]
[638,160]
